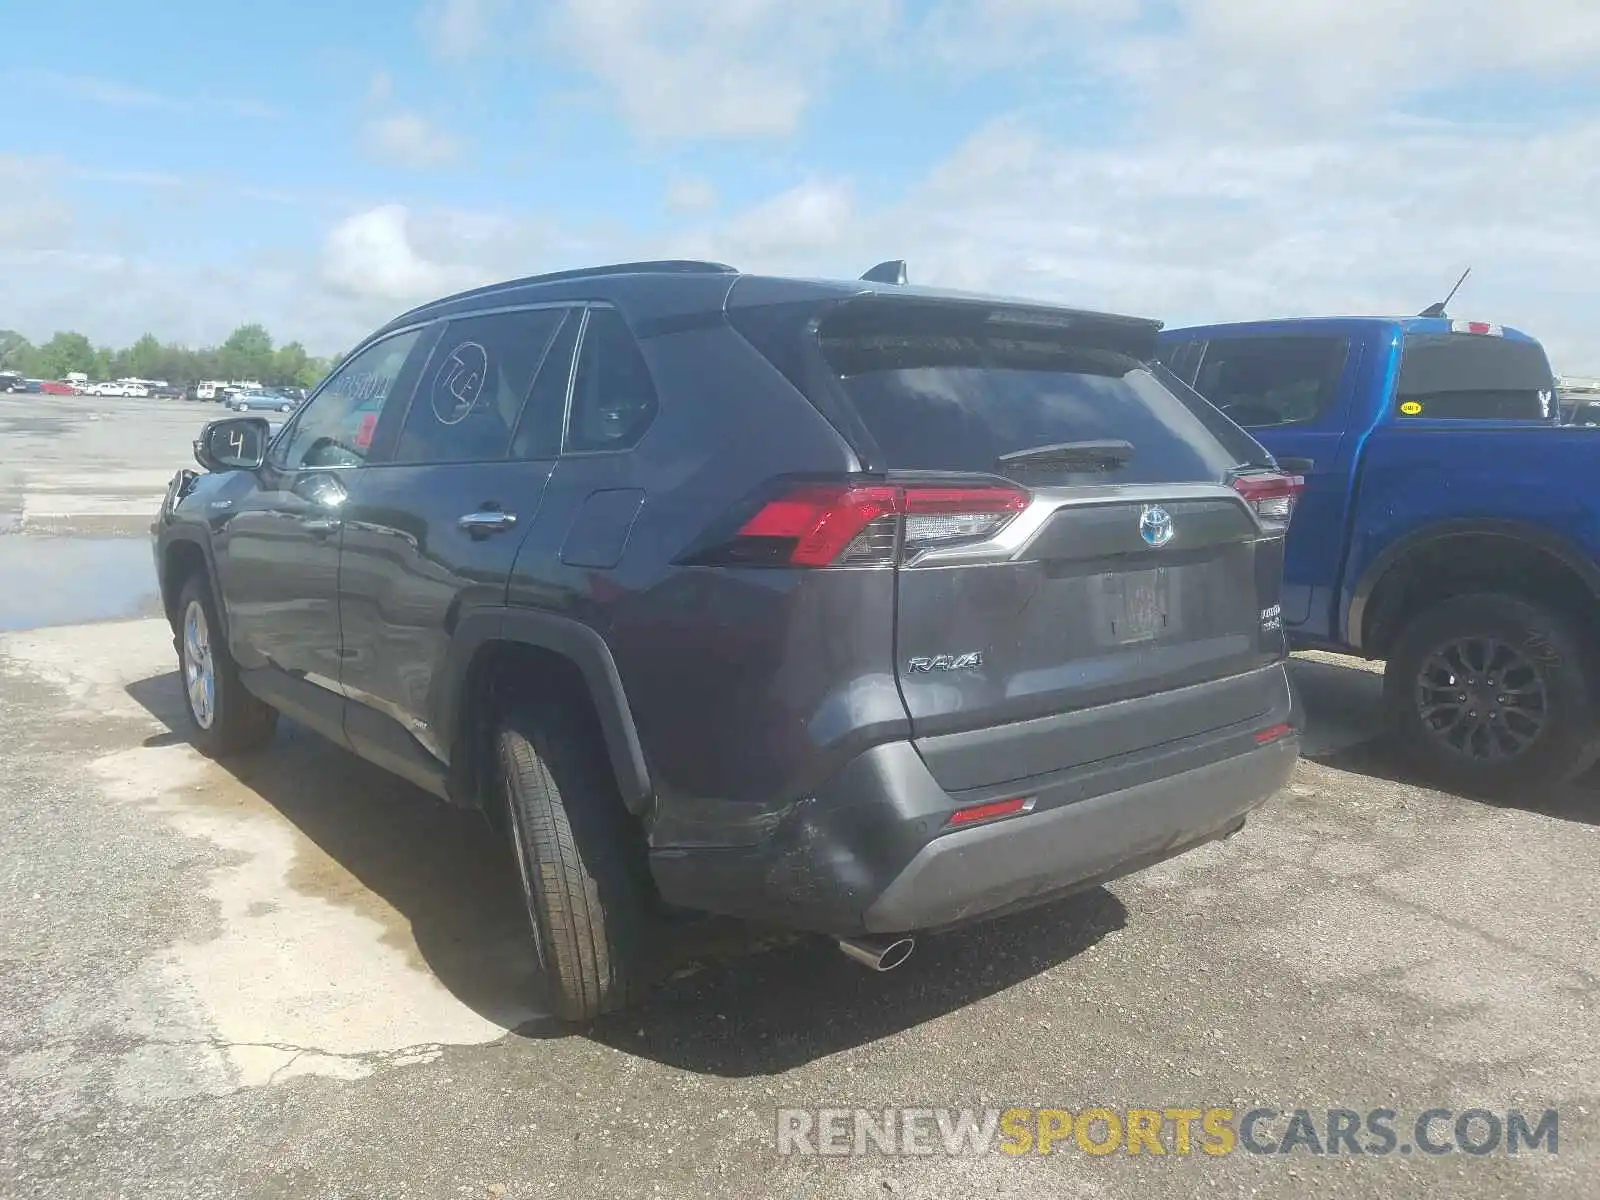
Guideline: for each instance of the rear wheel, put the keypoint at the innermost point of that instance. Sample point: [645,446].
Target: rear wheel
[226,719]
[580,859]
[1489,690]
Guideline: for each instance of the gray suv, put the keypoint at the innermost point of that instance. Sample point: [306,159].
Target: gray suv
[857,607]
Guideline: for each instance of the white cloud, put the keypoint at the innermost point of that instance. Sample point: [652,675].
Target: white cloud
[111,92]
[409,140]
[741,68]
[815,217]
[1005,34]
[1268,167]
[1255,62]
[370,256]
[115,93]
[457,29]
[690,195]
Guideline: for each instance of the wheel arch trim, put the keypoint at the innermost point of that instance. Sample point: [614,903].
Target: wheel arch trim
[1558,547]
[579,644]
[181,536]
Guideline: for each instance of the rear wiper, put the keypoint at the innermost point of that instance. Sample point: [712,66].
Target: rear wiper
[1072,456]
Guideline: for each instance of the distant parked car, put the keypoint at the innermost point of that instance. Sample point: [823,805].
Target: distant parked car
[54,387]
[247,401]
[10,381]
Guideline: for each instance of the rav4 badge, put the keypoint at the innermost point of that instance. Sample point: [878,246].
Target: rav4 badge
[971,660]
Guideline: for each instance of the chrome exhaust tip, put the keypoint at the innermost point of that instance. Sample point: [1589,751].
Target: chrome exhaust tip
[880,954]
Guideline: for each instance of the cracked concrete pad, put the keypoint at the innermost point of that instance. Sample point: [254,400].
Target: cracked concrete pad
[282,981]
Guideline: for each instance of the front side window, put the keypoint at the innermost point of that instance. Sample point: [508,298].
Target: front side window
[613,398]
[472,393]
[1264,381]
[335,428]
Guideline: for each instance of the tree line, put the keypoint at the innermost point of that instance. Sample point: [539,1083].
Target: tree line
[248,353]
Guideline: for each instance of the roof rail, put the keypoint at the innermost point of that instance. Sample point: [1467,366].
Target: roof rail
[663,266]
[660,266]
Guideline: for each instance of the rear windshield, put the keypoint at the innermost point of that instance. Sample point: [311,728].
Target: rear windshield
[939,397]
[1467,376]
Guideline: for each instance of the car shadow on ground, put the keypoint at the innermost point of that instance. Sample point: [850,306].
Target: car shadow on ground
[1345,731]
[733,1000]
[761,1014]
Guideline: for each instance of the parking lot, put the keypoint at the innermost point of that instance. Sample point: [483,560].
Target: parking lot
[297,976]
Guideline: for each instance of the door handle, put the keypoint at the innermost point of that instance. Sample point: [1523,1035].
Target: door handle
[486,521]
[320,525]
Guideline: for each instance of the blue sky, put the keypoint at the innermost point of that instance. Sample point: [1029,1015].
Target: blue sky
[187,166]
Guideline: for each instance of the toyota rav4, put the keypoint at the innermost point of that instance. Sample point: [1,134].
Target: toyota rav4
[861,608]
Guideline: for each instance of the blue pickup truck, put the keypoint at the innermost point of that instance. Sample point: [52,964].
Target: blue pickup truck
[1449,525]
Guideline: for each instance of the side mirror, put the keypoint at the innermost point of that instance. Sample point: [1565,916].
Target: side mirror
[234,444]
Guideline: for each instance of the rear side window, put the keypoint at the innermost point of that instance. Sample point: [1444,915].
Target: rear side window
[471,395]
[1466,377]
[1259,382]
[939,390]
[613,398]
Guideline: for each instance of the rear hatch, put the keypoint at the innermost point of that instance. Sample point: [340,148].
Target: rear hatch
[1130,564]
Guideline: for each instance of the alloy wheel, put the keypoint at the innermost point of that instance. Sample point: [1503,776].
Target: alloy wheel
[199,668]
[1482,699]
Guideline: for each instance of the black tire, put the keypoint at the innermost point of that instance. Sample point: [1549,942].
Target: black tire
[1543,721]
[237,721]
[580,858]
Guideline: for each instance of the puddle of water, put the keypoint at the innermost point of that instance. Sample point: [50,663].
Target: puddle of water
[66,581]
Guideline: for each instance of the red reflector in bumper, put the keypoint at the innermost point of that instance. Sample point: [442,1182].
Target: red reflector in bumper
[986,812]
[1272,733]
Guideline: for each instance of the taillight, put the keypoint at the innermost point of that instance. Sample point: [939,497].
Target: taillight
[865,524]
[1271,497]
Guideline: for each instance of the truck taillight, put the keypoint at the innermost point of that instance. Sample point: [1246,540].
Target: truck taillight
[865,524]
[1271,497]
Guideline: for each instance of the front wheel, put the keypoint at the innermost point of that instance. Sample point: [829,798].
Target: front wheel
[1488,691]
[580,858]
[225,718]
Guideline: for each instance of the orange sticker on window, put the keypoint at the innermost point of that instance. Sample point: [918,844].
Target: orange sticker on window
[369,422]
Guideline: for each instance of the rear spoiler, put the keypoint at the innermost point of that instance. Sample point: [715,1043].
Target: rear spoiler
[1131,337]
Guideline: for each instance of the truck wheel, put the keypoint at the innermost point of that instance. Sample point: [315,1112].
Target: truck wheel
[1488,691]
[580,860]
[226,718]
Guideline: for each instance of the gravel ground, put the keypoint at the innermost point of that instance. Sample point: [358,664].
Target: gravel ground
[294,976]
